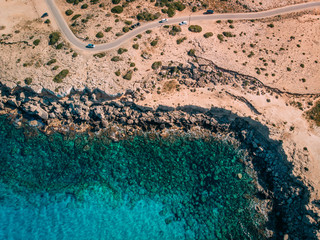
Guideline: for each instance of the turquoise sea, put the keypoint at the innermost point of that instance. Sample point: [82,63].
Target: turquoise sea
[145,187]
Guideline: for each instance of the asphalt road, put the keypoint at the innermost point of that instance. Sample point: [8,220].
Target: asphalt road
[146,26]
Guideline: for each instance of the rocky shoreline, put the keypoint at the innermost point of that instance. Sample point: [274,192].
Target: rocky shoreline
[287,197]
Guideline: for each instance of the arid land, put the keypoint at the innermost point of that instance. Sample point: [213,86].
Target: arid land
[265,70]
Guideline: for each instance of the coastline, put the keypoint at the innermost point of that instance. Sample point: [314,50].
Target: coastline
[118,119]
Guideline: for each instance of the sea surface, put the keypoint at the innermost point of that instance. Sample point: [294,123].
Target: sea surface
[145,187]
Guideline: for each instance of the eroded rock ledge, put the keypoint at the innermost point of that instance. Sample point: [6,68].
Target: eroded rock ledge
[285,197]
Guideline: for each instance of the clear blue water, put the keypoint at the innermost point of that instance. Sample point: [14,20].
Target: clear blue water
[145,187]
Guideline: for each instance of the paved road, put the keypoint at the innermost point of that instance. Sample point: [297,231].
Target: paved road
[118,42]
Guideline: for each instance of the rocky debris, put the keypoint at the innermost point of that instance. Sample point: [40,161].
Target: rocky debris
[35,110]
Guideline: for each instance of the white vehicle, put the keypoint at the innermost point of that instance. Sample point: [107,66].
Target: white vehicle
[163,20]
[183,23]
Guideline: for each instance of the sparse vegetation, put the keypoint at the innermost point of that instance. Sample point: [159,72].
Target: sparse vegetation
[314,113]
[54,38]
[117,9]
[192,52]
[175,29]
[146,16]
[180,40]
[108,29]
[154,43]
[195,28]
[28,80]
[52,61]
[135,46]
[156,65]
[75,17]
[128,75]
[100,35]
[122,50]
[36,42]
[117,73]
[208,34]
[99,55]
[116,59]
[60,76]
[220,37]
[69,12]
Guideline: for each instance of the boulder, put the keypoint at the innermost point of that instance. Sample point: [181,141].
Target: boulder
[36,110]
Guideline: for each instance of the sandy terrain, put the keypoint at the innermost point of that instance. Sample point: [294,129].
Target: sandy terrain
[285,56]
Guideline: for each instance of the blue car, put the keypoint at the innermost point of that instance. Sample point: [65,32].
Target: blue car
[44,15]
[90,45]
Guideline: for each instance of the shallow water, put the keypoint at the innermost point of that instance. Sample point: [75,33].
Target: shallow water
[146,187]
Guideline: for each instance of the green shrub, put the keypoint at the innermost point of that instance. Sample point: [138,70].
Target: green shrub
[171,12]
[75,17]
[117,9]
[230,21]
[36,42]
[47,21]
[135,46]
[60,76]
[154,43]
[156,65]
[108,29]
[228,34]
[180,40]
[139,36]
[179,6]
[100,55]
[175,29]
[271,25]
[125,29]
[94,1]
[146,16]
[132,64]
[75,55]
[115,1]
[220,37]
[302,65]
[148,31]
[55,68]
[84,6]
[69,12]
[314,113]
[116,59]
[128,22]
[54,38]
[51,62]
[99,35]
[128,75]
[208,34]
[192,52]
[122,50]
[28,80]
[195,28]
[59,46]
[117,73]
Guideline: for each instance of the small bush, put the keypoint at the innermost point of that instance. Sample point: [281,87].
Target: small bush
[302,65]
[54,38]
[122,50]
[271,25]
[220,37]
[128,75]
[195,28]
[100,55]
[154,43]
[156,65]
[146,16]
[135,46]
[128,22]
[84,6]
[99,35]
[52,61]
[228,34]
[75,17]
[175,29]
[192,52]
[47,21]
[180,40]
[116,59]
[36,42]
[117,9]
[148,31]
[115,1]
[59,46]
[60,76]
[139,36]
[108,29]
[125,29]
[69,12]
[28,80]
[75,55]
[314,113]
[288,69]
[208,34]
[132,64]
[117,73]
